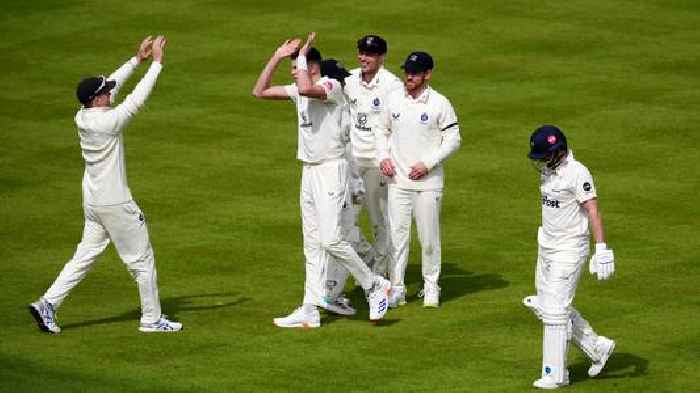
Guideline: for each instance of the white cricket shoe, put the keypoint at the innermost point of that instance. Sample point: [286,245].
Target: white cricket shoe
[605,348]
[45,316]
[430,295]
[162,325]
[299,319]
[547,382]
[341,306]
[397,297]
[379,298]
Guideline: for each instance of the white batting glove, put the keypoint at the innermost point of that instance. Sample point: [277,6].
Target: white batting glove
[602,262]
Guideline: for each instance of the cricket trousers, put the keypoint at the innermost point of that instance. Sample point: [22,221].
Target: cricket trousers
[125,225]
[556,278]
[403,205]
[376,204]
[323,194]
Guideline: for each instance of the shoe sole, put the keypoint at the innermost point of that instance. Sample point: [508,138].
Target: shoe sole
[305,326]
[39,320]
[147,330]
[431,305]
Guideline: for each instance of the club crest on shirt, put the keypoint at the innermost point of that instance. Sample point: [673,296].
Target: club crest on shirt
[376,104]
[424,118]
[395,115]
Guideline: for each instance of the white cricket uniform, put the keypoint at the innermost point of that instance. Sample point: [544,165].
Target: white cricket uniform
[110,212]
[410,131]
[324,185]
[563,249]
[367,100]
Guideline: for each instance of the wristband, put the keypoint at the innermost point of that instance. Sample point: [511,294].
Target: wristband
[600,247]
[301,63]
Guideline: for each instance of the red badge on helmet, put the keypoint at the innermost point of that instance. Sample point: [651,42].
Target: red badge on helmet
[552,139]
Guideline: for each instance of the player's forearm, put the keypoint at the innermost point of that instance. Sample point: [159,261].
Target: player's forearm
[122,74]
[451,140]
[134,101]
[595,220]
[263,82]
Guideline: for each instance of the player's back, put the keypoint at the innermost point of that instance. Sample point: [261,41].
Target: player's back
[104,180]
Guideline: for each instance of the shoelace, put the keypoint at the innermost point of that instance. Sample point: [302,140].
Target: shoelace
[47,312]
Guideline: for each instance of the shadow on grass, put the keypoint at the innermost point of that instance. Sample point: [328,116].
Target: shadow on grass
[170,306]
[620,365]
[454,282]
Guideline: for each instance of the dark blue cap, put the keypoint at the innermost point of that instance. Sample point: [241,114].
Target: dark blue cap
[372,44]
[90,88]
[418,62]
[546,140]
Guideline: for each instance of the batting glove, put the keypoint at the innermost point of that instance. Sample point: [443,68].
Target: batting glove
[602,262]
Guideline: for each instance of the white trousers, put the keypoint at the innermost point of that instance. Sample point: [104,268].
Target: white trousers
[556,279]
[425,206]
[125,225]
[376,204]
[323,194]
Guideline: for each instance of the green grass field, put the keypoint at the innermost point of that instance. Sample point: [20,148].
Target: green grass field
[215,172]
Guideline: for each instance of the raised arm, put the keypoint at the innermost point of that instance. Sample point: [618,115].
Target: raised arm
[134,101]
[303,78]
[262,88]
[122,74]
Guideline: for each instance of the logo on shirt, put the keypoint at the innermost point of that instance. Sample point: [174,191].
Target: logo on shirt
[587,186]
[353,101]
[550,202]
[395,115]
[376,104]
[362,122]
[424,118]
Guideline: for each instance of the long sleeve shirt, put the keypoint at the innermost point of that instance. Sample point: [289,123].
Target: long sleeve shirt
[424,129]
[101,139]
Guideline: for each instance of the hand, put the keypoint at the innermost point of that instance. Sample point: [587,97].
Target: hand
[387,167]
[144,51]
[418,170]
[158,48]
[307,45]
[602,263]
[288,48]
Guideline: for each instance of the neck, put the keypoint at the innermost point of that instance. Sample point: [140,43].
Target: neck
[418,91]
[368,76]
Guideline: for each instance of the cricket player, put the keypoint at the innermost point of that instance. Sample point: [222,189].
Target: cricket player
[416,133]
[321,109]
[110,211]
[569,208]
[367,89]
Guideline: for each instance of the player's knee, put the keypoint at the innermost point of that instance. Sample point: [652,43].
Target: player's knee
[555,315]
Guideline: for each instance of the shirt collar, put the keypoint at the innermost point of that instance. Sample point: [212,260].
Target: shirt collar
[374,81]
[564,162]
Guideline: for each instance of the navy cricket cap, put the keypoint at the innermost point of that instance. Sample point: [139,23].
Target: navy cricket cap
[545,140]
[372,44]
[90,88]
[313,55]
[418,62]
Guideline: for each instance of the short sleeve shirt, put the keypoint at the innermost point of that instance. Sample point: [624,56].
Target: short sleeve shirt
[323,124]
[564,220]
